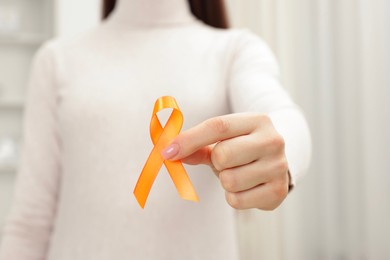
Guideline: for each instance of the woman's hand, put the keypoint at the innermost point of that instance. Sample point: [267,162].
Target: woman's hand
[245,152]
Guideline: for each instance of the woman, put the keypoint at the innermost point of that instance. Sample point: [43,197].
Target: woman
[86,138]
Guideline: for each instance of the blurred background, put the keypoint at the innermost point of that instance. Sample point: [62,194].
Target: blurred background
[336,66]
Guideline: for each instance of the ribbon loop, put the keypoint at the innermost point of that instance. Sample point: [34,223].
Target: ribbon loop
[161,136]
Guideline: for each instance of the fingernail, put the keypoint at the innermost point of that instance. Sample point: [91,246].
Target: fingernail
[170,151]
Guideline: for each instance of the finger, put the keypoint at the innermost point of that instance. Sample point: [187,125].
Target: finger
[266,196]
[201,156]
[209,132]
[236,152]
[251,175]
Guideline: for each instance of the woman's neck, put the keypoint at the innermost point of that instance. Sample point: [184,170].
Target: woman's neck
[145,13]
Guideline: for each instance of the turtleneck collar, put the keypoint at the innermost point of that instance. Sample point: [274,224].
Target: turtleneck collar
[150,13]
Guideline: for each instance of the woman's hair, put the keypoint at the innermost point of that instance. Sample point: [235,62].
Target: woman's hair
[211,12]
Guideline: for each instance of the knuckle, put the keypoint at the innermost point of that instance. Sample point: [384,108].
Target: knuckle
[280,190]
[218,124]
[228,181]
[220,156]
[282,165]
[269,207]
[277,141]
[234,200]
[262,118]
[278,193]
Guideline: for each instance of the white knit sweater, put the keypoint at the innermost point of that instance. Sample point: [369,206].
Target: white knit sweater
[86,136]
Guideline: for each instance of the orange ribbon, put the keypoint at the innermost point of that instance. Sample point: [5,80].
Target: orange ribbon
[161,138]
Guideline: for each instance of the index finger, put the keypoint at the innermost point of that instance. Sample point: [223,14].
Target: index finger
[209,132]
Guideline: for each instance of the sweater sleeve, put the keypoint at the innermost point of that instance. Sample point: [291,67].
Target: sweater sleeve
[254,86]
[27,232]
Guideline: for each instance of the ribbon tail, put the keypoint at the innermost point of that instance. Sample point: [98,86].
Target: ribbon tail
[147,177]
[181,180]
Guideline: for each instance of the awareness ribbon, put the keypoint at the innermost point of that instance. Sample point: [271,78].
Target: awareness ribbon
[161,137]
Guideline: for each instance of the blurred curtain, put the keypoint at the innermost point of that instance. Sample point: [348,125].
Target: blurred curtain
[335,63]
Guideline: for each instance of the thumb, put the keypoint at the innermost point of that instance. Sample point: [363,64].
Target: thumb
[201,156]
